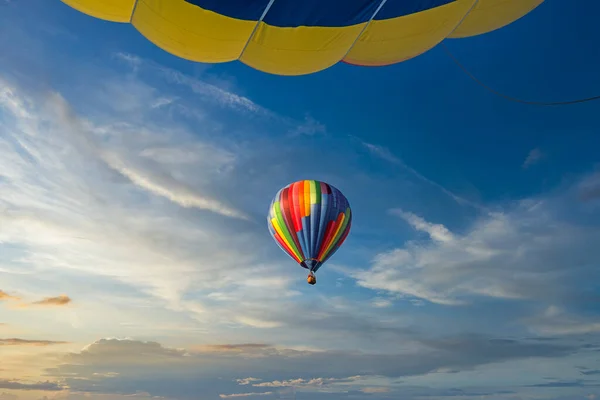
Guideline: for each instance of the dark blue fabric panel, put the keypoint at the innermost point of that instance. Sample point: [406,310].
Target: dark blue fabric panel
[250,10]
[399,8]
[292,13]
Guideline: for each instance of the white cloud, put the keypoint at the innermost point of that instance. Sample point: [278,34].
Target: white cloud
[246,381]
[437,232]
[381,303]
[162,101]
[165,186]
[538,250]
[257,322]
[236,395]
[131,59]
[308,383]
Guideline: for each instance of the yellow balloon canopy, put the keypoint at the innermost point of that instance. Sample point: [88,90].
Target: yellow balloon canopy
[297,37]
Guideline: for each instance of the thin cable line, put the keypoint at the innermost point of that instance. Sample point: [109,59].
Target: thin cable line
[517,100]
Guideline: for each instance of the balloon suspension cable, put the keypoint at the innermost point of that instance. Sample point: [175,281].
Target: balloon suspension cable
[514,99]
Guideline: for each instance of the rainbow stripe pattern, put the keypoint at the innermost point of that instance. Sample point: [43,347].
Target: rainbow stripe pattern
[296,37]
[309,220]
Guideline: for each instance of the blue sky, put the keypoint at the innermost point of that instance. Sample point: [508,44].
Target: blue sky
[135,258]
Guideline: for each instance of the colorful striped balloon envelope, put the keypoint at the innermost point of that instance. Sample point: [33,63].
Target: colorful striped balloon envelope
[309,220]
[296,37]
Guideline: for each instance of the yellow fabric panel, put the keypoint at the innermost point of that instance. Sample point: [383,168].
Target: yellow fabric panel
[299,50]
[191,32]
[307,198]
[489,15]
[394,40]
[110,10]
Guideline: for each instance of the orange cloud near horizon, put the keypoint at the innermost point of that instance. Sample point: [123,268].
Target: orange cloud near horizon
[56,301]
[61,300]
[6,296]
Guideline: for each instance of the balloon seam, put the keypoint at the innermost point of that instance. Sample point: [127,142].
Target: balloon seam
[133,11]
[364,29]
[262,17]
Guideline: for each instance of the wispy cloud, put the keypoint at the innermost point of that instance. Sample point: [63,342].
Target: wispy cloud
[152,180]
[437,232]
[220,92]
[385,154]
[534,157]
[170,188]
[207,91]
[309,127]
[28,342]
[85,195]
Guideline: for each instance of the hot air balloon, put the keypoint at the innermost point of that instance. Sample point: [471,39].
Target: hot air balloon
[296,37]
[309,220]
